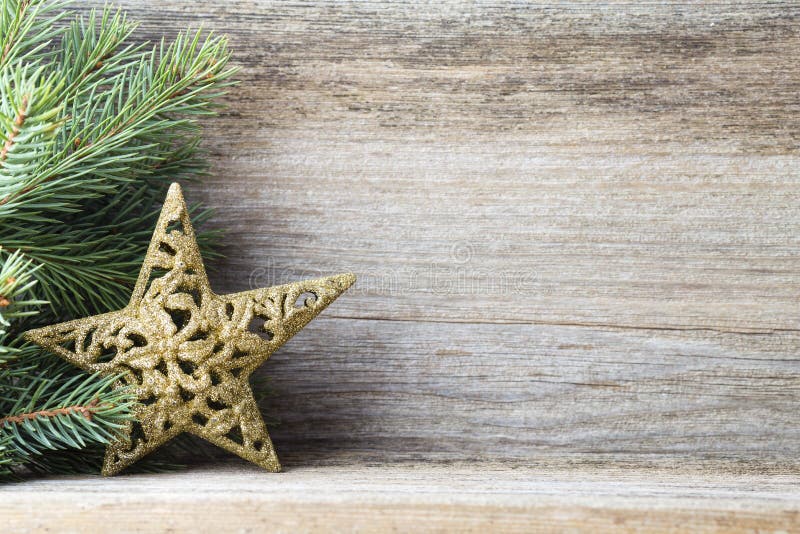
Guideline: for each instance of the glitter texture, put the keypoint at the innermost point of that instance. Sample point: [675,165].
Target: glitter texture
[186,351]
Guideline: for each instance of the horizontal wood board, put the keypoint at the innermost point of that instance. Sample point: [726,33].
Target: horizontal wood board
[485,497]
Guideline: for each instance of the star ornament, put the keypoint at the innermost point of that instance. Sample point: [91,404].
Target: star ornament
[187,352]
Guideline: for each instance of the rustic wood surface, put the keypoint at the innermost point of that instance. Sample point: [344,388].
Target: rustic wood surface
[405,498]
[576,226]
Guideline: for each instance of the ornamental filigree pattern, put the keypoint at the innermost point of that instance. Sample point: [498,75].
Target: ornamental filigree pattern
[186,351]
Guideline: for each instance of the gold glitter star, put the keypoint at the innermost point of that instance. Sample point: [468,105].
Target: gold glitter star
[186,351]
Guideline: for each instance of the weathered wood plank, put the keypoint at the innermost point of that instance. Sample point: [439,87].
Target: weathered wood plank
[404,390]
[406,498]
[576,226]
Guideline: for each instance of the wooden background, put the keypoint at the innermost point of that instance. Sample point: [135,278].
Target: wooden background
[576,226]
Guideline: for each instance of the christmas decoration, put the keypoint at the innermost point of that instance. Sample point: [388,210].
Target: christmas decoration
[187,352]
[94,126]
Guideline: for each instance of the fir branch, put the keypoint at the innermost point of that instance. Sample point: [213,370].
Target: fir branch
[26,27]
[93,128]
[74,413]
[149,105]
[132,126]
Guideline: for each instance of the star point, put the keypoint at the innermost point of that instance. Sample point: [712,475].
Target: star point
[186,351]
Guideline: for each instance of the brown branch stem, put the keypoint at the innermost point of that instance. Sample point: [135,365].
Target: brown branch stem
[19,120]
[87,411]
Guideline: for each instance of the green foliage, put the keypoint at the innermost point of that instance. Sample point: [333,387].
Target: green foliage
[58,413]
[93,128]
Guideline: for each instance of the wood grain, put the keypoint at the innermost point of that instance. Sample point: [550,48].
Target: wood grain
[576,226]
[406,498]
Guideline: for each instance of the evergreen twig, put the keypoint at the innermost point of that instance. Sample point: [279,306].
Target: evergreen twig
[93,128]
